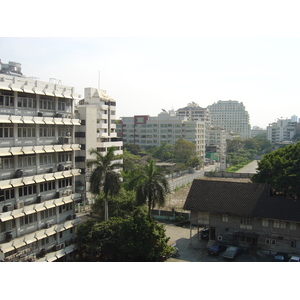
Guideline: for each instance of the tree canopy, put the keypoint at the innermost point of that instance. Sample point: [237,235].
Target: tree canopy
[281,169]
[136,238]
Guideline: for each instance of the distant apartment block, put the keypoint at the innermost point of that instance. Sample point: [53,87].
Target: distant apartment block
[38,171]
[97,112]
[147,131]
[231,116]
[215,143]
[282,130]
[258,131]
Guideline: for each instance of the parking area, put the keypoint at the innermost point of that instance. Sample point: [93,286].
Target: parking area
[193,249]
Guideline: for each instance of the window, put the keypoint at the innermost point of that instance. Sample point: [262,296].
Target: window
[28,219]
[48,213]
[7,130]
[265,222]
[26,161]
[47,131]
[276,224]
[246,221]
[26,100]
[26,131]
[65,207]
[47,103]
[7,194]
[7,99]
[224,218]
[64,131]
[65,182]
[293,226]
[46,159]
[65,157]
[27,190]
[7,163]
[47,186]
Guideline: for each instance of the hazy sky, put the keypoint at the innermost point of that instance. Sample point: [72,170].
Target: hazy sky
[147,74]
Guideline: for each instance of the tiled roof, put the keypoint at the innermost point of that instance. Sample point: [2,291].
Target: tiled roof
[239,198]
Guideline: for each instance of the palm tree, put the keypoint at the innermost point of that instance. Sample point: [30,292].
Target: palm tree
[150,186]
[104,176]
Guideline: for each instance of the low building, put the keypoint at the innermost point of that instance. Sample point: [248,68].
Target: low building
[245,214]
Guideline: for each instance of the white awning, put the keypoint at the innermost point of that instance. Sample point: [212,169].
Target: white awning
[39,178]
[16,151]
[60,253]
[5,151]
[37,91]
[68,224]
[38,149]
[58,93]
[69,249]
[49,176]
[51,257]
[76,121]
[5,184]
[6,216]
[58,175]
[18,243]
[75,147]
[59,227]
[16,119]
[30,238]
[4,119]
[48,93]
[17,213]
[67,173]
[58,121]
[43,259]
[67,121]
[67,147]
[49,204]
[76,196]
[38,120]
[15,88]
[29,209]
[26,90]
[27,119]
[59,201]
[48,148]
[50,231]
[75,172]
[28,180]
[49,120]
[4,87]
[17,182]
[58,148]
[7,247]
[39,207]
[28,150]
[39,235]
[68,199]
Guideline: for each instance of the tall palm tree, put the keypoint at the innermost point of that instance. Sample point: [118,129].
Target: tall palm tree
[104,175]
[151,186]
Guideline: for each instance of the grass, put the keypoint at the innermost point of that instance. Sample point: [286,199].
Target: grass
[235,168]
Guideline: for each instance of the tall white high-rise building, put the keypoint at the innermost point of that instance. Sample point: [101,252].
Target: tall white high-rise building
[38,172]
[231,116]
[97,112]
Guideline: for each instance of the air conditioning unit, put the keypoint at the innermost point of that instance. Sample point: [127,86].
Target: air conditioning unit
[8,236]
[58,194]
[67,192]
[51,170]
[40,114]
[19,173]
[40,199]
[58,115]
[48,225]
[69,217]
[60,167]
[8,207]
[59,246]
[63,140]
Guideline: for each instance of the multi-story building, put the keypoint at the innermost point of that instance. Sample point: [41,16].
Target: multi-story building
[282,130]
[97,112]
[37,162]
[258,131]
[147,131]
[215,142]
[195,113]
[231,116]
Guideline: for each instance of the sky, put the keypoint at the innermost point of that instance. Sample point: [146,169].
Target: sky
[246,54]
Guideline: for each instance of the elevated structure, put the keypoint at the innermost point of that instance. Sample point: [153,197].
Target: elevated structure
[37,163]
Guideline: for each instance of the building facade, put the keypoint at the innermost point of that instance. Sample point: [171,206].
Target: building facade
[38,171]
[147,131]
[282,130]
[97,112]
[231,116]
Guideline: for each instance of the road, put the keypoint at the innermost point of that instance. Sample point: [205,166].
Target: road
[250,168]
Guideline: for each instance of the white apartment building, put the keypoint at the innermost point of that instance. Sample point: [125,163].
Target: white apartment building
[216,141]
[282,130]
[195,113]
[37,162]
[231,116]
[147,131]
[97,112]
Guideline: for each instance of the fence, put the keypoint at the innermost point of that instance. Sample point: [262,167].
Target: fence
[228,174]
[183,180]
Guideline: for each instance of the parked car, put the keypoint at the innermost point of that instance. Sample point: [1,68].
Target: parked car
[280,257]
[216,249]
[232,252]
[295,259]
[204,234]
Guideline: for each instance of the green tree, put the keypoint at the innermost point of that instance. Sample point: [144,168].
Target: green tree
[104,175]
[136,238]
[281,169]
[184,151]
[151,186]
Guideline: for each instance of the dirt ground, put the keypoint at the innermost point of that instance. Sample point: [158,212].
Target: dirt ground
[177,198]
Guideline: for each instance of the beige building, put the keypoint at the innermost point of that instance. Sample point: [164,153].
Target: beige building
[38,171]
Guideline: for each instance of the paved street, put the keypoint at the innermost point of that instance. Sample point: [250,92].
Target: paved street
[250,168]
